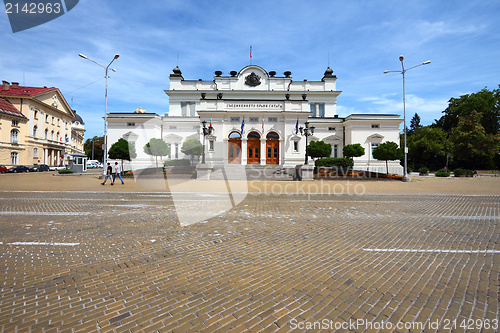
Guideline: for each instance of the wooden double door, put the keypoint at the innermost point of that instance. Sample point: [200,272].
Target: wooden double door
[272,151]
[253,151]
[234,151]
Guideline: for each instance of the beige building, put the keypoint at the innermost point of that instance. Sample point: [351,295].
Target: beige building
[37,126]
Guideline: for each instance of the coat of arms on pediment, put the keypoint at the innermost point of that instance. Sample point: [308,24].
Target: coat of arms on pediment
[252,80]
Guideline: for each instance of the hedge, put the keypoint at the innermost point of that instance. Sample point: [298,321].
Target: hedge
[183,162]
[442,173]
[463,173]
[341,163]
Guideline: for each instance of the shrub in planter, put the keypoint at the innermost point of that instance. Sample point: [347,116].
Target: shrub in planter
[344,163]
[443,173]
[65,171]
[463,173]
[423,171]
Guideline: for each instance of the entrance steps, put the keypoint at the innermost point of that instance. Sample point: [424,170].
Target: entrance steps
[253,172]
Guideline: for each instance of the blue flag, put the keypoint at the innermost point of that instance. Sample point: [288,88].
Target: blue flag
[297,127]
[242,125]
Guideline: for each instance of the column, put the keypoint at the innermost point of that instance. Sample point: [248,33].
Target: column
[244,152]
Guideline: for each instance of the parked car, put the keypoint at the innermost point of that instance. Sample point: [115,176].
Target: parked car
[40,167]
[56,168]
[3,169]
[19,168]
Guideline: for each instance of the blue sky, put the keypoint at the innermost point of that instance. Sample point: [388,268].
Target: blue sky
[358,39]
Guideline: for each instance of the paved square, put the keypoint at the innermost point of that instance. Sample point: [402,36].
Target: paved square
[115,260]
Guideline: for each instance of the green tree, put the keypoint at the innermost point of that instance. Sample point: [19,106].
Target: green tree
[98,151]
[414,124]
[428,147]
[157,147]
[192,147]
[122,150]
[484,102]
[353,150]
[473,147]
[318,149]
[387,151]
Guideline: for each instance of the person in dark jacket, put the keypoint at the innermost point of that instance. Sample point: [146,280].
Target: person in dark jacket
[109,172]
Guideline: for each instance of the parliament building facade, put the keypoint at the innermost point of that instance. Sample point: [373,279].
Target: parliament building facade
[255,117]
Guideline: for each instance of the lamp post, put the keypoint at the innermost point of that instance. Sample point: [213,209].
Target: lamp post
[206,131]
[92,148]
[403,72]
[104,160]
[306,131]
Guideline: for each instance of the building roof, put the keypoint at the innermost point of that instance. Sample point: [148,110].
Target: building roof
[17,90]
[7,108]
[77,118]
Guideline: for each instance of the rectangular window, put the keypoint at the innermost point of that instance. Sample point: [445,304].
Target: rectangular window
[313,110]
[36,114]
[295,146]
[335,151]
[192,109]
[331,128]
[172,127]
[211,145]
[374,145]
[176,151]
[46,118]
[170,150]
[15,122]
[188,109]
[375,126]
[35,152]
[321,110]
[130,124]
[317,110]
[250,152]
[52,120]
[235,119]
[272,120]
[253,119]
[58,122]
[13,158]
[256,152]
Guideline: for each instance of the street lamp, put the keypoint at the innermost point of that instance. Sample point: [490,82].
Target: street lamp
[105,107]
[306,131]
[206,131]
[403,71]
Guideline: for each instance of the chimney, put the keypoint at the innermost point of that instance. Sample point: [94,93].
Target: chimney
[5,85]
[15,85]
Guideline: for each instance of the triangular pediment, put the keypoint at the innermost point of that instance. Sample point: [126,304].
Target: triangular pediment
[130,136]
[332,138]
[376,136]
[172,138]
[56,100]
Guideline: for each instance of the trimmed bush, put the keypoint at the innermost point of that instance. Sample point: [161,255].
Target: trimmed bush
[443,173]
[341,163]
[183,162]
[65,171]
[423,171]
[463,173]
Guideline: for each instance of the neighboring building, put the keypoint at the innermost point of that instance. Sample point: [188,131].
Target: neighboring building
[255,115]
[37,126]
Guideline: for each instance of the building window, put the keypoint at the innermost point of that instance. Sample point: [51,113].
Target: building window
[272,120]
[35,152]
[52,135]
[335,151]
[235,119]
[15,122]
[253,119]
[46,134]
[374,145]
[375,126]
[169,150]
[46,118]
[317,110]
[130,124]
[172,127]
[295,146]
[36,114]
[14,136]
[13,158]
[58,122]
[35,128]
[188,109]
[331,128]
[57,136]
[176,151]
[52,120]
[211,145]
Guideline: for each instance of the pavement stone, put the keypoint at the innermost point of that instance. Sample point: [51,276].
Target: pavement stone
[272,262]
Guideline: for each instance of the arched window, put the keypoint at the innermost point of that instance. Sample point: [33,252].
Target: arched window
[35,128]
[14,136]
[52,135]
[253,135]
[46,134]
[272,135]
[235,135]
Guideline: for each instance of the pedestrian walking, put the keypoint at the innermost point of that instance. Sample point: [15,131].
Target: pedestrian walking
[117,173]
[109,172]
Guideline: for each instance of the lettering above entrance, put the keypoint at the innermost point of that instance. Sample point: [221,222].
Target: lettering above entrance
[252,80]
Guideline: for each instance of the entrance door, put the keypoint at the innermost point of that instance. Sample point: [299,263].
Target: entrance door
[272,148]
[234,148]
[253,148]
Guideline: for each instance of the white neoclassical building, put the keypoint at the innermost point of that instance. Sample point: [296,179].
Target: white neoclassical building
[255,115]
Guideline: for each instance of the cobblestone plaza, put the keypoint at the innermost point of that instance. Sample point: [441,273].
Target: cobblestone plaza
[115,259]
